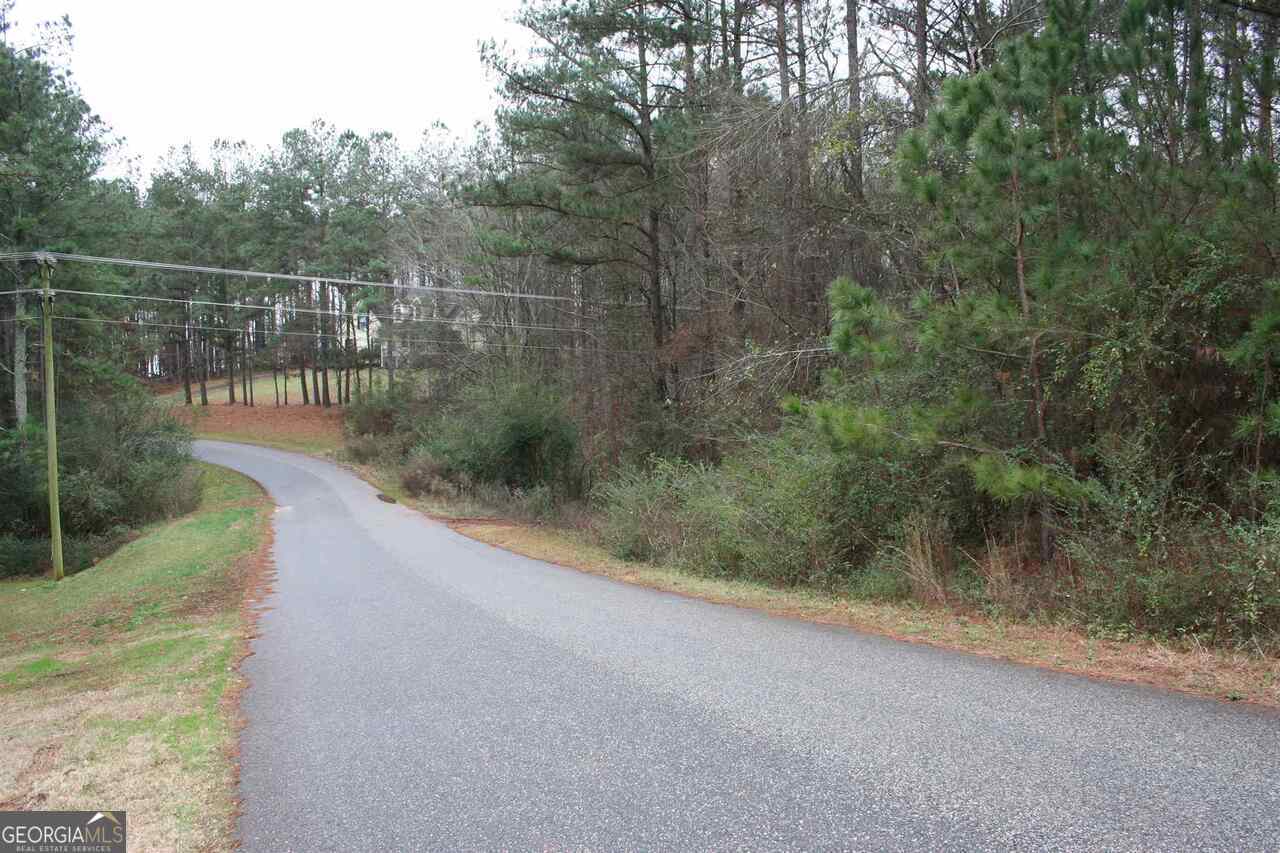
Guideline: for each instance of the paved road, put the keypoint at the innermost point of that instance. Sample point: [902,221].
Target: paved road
[413,689]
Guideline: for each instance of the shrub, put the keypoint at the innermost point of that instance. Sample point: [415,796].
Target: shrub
[368,449]
[879,580]
[123,461]
[781,509]
[23,557]
[639,508]
[423,474]
[536,504]
[1206,575]
[373,413]
[513,433]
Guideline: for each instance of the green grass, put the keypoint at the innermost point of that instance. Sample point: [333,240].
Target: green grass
[121,672]
[313,445]
[32,671]
[159,570]
[263,390]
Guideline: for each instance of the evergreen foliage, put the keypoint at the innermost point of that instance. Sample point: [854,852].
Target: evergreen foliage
[1012,268]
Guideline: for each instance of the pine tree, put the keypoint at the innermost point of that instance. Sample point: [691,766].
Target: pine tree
[592,123]
[1091,267]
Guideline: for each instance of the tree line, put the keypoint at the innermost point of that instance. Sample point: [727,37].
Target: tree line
[1009,268]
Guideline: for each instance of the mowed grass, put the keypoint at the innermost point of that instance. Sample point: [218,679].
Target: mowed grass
[264,388]
[115,682]
[264,393]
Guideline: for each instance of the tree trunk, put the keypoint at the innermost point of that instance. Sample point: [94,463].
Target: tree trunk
[315,379]
[184,353]
[652,235]
[854,175]
[1234,60]
[252,355]
[231,374]
[920,106]
[368,345]
[802,61]
[302,379]
[784,61]
[786,270]
[1033,375]
[19,362]
[204,371]
[324,344]
[355,356]
[1267,92]
[391,363]
[1197,91]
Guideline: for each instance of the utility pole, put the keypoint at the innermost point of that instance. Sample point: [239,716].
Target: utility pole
[51,417]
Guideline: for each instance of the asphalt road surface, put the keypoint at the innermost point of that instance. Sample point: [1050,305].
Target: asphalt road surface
[413,689]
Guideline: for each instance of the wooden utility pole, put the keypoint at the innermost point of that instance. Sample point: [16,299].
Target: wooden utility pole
[19,361]
[51,420]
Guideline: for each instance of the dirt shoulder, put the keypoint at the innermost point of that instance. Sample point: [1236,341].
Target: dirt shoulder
[1220,674]
[1226,674]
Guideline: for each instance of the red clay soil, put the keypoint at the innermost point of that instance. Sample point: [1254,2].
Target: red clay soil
[256,575]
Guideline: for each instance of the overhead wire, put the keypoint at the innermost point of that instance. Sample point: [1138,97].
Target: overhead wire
[312,279]
[315,335]
[292,309]
[317,279]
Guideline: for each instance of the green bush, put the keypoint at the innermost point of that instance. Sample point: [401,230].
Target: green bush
[368,449]
[1216,579]
[538,503]
[510,432]
[639,510]
[423,474]
[123,461]
[374,413]
[23,557]
[781,509]
[363,449]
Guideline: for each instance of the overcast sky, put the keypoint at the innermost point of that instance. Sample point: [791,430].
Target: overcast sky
[166,72]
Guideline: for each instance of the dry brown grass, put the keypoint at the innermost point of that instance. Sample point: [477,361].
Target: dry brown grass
[926,560]
[89,749]
[117,685]
[1247,675]
[306,429]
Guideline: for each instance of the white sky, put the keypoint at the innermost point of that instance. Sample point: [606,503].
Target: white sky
[167,72]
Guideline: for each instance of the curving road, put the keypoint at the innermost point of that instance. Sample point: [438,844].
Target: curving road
[413,689]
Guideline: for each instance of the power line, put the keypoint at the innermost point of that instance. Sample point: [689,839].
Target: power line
[305,279]
[319,312]
[315,335]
